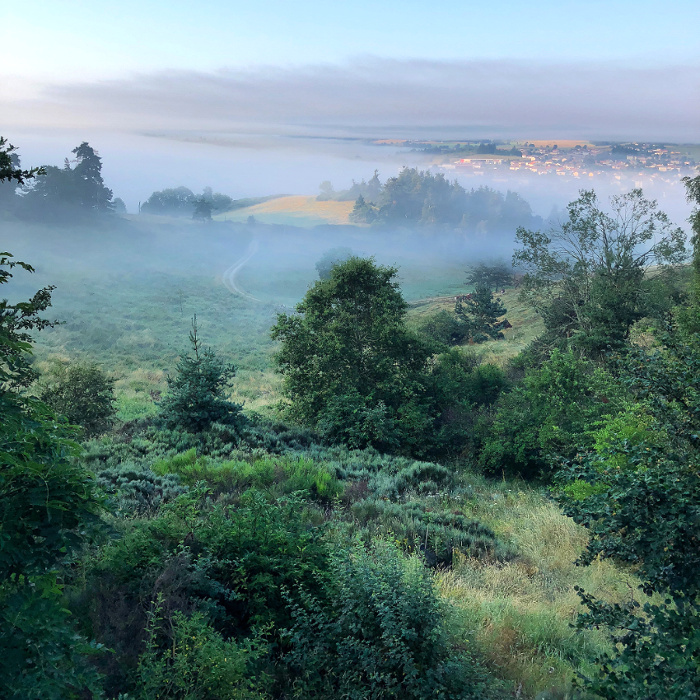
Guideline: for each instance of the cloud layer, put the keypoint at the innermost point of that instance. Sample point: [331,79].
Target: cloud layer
[480,98]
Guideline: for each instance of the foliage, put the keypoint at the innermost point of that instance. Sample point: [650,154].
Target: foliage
[175,201]
[82,393]
[460,388]
[9,165]
[196,396]
[417,197]
[228,561]
[49,506]
[690,317]
[350,366]
[445,328]
[637,492]
[330,258]
[480,313]
[549,415]
[202,209]
[585,277]
[181,201]
[659,650]
[493,275]
[197,663]
[363,212]
[369,190]
[69,191]
[380,636]
[16,320]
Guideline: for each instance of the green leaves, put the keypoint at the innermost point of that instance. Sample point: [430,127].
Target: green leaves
[585,276]
[197,394]
[350,366]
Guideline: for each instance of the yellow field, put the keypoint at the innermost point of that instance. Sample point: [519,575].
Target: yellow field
[298,207]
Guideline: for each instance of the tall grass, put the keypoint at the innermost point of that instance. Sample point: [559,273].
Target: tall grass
[521,610]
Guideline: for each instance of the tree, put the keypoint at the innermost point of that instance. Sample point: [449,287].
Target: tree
[480,313]
[82,393]
[12,175]
[586,277]
[326,191]
[691,318]
[71,189]
[177,201]
[330,258]
[351,368]
[493,275]
[636,490]
[202,209]
[91,191]
[197,394]
[48,506]
[9,165]
[362,212]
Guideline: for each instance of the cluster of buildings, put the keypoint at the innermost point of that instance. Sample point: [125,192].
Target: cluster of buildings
[581,162]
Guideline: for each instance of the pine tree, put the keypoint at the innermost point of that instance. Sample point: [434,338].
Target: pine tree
[197,394]
[90,187]
[480,311]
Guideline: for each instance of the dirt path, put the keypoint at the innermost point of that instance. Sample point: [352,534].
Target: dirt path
[229,278]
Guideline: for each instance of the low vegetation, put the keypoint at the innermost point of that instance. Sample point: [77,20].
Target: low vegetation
[410,521]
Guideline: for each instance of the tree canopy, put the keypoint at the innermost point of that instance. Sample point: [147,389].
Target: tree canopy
[586,276]
[350,366]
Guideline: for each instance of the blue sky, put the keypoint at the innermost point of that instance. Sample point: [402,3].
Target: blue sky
[91,39]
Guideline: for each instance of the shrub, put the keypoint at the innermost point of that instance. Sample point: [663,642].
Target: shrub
[445,328]
[186,659]
[380,636]
[549,415]
[436,533]
[82,393]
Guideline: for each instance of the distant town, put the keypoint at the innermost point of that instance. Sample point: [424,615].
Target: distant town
[568,159]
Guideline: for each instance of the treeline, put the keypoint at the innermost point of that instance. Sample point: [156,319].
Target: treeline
[76,191]
[59,193]
[481,148]
[416,197]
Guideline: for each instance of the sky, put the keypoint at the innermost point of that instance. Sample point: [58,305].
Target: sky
[240,75]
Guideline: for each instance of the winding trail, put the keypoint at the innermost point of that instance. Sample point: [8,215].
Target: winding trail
[229,277]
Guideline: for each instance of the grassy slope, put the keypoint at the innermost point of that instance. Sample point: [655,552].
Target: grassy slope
[521,611]
[133,317]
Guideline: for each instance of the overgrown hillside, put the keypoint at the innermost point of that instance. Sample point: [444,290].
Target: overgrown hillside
[224,477]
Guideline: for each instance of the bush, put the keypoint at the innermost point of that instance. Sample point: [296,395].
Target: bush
[82,393]
[549,415]
[230,563]
[445,328]
[380,635]
[435,533]
[186,659]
